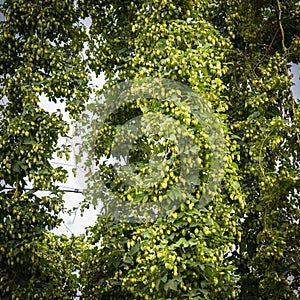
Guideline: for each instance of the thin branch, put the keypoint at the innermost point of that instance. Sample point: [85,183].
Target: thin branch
[268,49]
[280,26]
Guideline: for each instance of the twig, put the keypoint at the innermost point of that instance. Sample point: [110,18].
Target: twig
[268,49]
[280,26]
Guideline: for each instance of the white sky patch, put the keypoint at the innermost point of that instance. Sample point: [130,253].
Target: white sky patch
[295,70]
[72,223]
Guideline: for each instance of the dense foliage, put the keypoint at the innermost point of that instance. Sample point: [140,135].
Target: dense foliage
[245,243]
[39,56]
[263,112]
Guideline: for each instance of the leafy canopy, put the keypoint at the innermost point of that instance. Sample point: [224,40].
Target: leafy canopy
[236,55]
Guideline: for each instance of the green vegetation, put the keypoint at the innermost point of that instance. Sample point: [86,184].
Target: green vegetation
[235,54]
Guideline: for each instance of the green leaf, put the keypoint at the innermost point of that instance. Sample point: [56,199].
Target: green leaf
[235,185]
[171,285]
